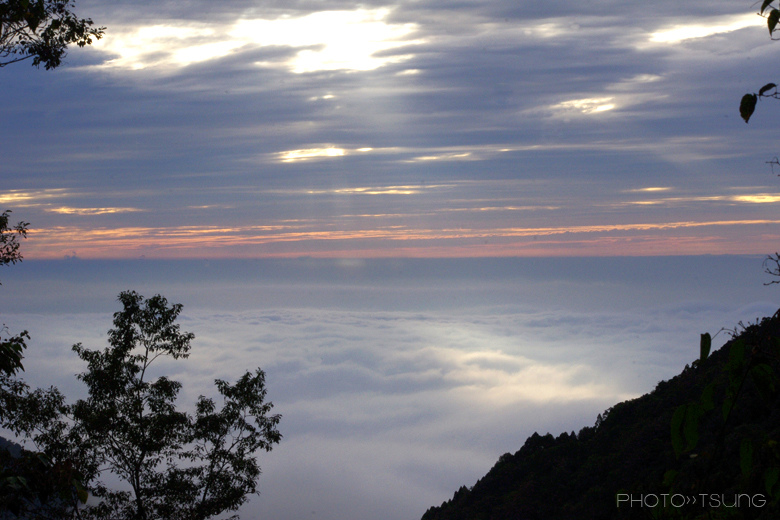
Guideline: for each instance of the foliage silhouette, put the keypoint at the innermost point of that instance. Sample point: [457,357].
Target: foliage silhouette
[176,465]
[11,346]
[41,30]
[747,104]
[29,481]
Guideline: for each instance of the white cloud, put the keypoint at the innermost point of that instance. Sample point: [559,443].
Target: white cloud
[310,153]
[715,25]
[586,105]
[326,40]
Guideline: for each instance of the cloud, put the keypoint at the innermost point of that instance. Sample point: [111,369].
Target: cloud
[291,239]
[356,40]
[712,26]
[748,198]
[24,198]
[757,198]
[586,106]
[400,381]
[65,210]
[310,153]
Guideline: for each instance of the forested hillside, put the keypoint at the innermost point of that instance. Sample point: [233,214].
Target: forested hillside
[721,461]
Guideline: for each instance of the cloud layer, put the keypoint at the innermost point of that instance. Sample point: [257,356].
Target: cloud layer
[400,381]
[406,129]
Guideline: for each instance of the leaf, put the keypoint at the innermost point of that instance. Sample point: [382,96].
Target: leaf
[747,105]
[81,492]
[765,5]
[772,19]
[765,88]
[707,401]
[704,346]
[677,436]
[736,357]
[691,426]
[746,457]
[669,478]
[764,378]
[771,475]
[728,404]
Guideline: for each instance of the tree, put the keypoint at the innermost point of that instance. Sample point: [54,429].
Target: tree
[11,347]
[176,465]
[9,239]
[748,105]
[29,481]
[41,30]
[748,102]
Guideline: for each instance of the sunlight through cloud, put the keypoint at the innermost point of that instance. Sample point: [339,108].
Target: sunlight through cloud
[443,157]
[328,40]
[64,210]
[305,154]
[310,153]
[23,198]
[500,379]
[376,190]
[348,40]
[650,189]
[758,198]
[587,105]
[157,45]
[755,198]
[683,32]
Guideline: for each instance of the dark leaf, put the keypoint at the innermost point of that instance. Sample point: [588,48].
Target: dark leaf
[747,106]
[728,403]
[677,434]
[764,378]
[736,357]
[691,427]
[771,476]
[746,457]
[707,401]
[772,19]
[669,477]
[704,346]
[82,493]
[765,88]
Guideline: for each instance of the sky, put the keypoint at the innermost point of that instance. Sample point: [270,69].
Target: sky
[438,226]
[411,129]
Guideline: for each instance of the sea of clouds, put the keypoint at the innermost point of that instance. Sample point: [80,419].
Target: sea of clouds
[400,381]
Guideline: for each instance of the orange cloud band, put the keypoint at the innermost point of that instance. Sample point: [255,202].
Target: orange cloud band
[326,241]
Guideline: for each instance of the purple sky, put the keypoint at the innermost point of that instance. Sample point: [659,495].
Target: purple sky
[414,129]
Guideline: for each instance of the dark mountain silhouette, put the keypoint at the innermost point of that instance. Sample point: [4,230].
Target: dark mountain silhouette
[728,422]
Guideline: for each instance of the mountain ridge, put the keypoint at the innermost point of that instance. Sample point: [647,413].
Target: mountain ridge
[627,464]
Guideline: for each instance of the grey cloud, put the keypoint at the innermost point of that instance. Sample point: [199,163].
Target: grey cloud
[207,124]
